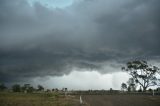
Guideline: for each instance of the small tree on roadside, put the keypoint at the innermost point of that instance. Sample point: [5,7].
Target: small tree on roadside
[131,84]
[129,89]
[142,73]
[140,89]
[123,86]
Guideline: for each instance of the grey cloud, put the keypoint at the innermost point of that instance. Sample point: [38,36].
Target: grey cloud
[38,41]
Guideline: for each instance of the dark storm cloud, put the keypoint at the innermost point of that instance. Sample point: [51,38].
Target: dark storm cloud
[91,34]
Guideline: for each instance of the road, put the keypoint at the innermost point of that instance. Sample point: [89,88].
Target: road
[121,100]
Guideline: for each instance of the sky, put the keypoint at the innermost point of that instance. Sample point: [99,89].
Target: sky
[53,3]
[79,44]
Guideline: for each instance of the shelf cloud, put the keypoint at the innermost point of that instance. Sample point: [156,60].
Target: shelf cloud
[38,41]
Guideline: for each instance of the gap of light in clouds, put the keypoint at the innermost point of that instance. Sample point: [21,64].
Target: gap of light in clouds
[53,3]
[84,80]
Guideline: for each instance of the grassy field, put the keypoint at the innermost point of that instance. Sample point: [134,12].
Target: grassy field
[52,99]
[121,100]
[45,99]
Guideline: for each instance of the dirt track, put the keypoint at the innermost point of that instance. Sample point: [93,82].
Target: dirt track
[121,100]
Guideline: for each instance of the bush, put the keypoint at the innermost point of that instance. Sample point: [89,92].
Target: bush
[16,88]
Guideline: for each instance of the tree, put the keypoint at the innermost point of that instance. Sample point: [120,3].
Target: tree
[53,90]
[129,89]
[158,89]
[25,87]
[131,84]
[140,89]
[16,88]
[142,73]
[65,89]
[28,88]
[40,88]
[123,86]
[2,87]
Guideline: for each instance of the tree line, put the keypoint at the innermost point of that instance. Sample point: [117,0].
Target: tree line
[19,88]
[27,88]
